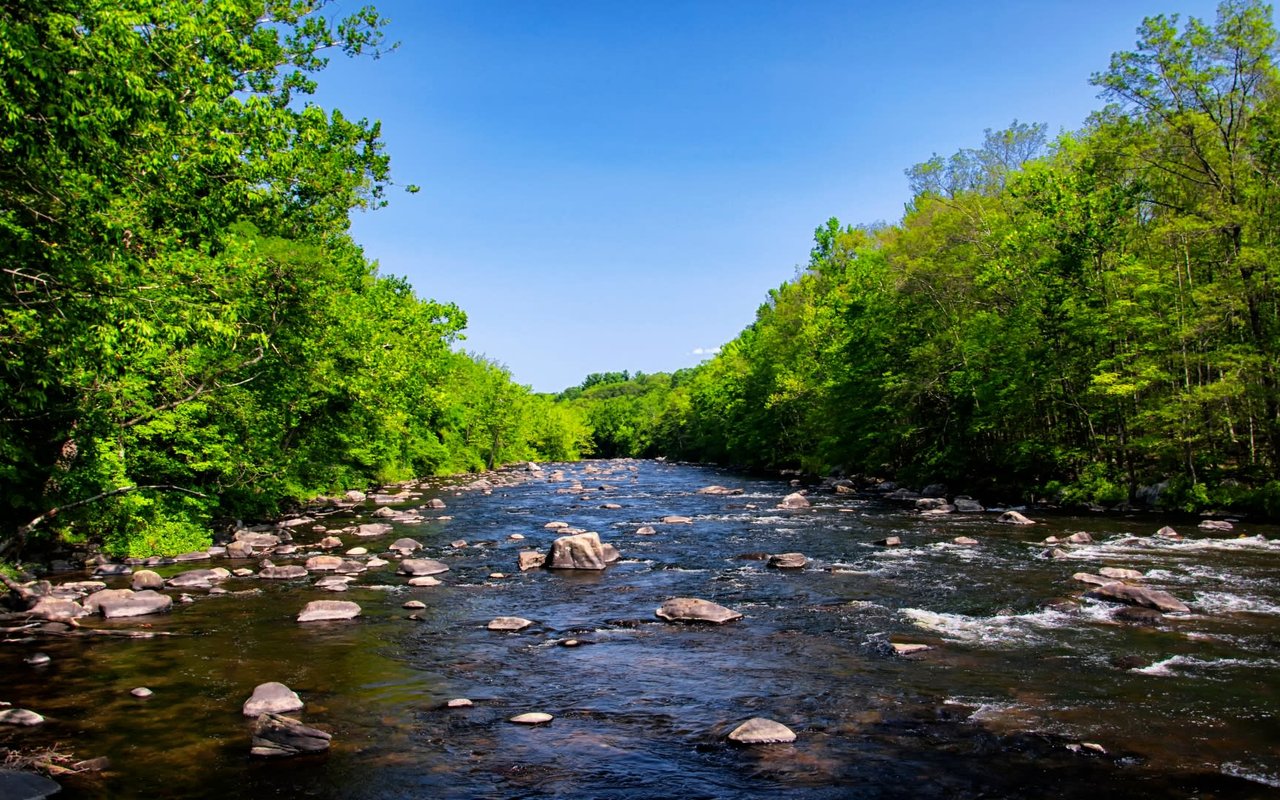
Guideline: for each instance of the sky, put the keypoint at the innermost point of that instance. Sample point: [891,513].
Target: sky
[615,185]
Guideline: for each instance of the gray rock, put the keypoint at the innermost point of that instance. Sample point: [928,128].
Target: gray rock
[330,543]
[257,539]
[1121,574]
[794,500]
[355,496]
[762,731]
[276,735]
[57,610]
[693,609]
[194,555]
[93,601]
[645,530]
[113,569]
[1079,537]
[967,541]
[198,578]
[890,541]
[580,551]
[422,566]
[719,490]
[139,604]
[1168,533]
[435,503]
[373,529]
[934,490]
[508,624]
[1140,596]
[271,698]
[20,716]
[321,610]
[239,550]
[1014,518]
[931,503]
[1091,579]
[532,718]
[967,505]
[406,545]
[15,785]
[286,572]
[788,561]
[1220,525]
[675,519]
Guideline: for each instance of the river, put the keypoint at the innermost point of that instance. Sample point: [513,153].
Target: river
[1020,696]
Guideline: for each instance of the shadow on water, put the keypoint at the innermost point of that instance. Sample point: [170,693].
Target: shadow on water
[1020,696]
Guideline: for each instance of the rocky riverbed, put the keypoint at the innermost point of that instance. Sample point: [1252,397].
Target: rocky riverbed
[660,630]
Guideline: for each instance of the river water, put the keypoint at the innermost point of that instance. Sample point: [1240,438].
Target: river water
[1015,685]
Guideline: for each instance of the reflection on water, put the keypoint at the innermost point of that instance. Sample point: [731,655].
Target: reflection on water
[1022,672]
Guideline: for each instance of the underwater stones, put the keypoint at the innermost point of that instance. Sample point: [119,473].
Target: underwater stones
[1014,518]
[759,730]
[416,567]
[794,500]
[532,718]
[322,610]
[271,698]
[788,561]
[694,610]
[276,735]
[1140,596]
[580,551]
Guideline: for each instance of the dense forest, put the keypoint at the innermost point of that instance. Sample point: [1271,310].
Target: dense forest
[190,334]
[1092,319]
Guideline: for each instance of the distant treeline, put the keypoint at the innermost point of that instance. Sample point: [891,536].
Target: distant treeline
[1076,318]
[187,332]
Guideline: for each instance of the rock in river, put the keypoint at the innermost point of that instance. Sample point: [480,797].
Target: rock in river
[719,490]
[271,698]
[530,559]
[532,718]
[20,716]
[422,566]
[286,572]
[508,624]
[135,604]
[581,551]
[794,500]
[275,735]
[761,731]
[1014,518]
[323,563]
[788,561]
[146,579]
[1140,596]
[319,610]
[16,785]
[693,609]
[57,610]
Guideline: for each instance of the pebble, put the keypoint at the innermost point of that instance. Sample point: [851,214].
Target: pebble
[516,537]
[532,718]
[459,702]
[38,659]
[141,691]
[497,576]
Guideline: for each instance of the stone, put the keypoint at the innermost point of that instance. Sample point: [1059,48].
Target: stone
[497,576]
[415,567]
[385,513]
[194,555]
[257,540]
[1215,525]
[890,541]
[1121,574]
[358,551]
[967,541]
[334,583]
[323,563]
[372,529]
[376,562]
[1080,537]
[198,578]
[406,545]
[516,537]
[532,718]
[1138,615]
[57,609]
[508,624]
[17,785]
[719,490]
[271,698]
[610,506]
[1140,596]
[38,659]
[459,702]
[611,553]
[424,580]
[329,543]
[555,526]
[1091,579]
[113,569]
[932,503]
[645,530]
[967,505]
[693,609]
[1056,553]
[435,503]
[794,500]
[759,730]
[355,496]
[141,692]
[788,561]
[276,735]
[239,550]
[1014,518]
[906,649]
[580,551]
[675,519]
[242,572]
[529,559]
[137,604]
[283,573]
[414,605]
[1168,533]
[321,610]
[20,716]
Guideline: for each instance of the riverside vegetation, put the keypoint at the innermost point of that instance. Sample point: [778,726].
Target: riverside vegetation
[191,336]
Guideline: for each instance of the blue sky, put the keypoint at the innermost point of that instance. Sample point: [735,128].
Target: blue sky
[616,185]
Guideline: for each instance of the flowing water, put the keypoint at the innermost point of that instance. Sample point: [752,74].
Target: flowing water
[1003,704]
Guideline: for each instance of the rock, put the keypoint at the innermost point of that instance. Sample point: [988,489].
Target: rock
[516,537]
[459,702]
[283,573]
[406,545]
[136,604]
[198,578]
[967,505]
[1056,553]
[508,624]
[905,649]
[793,500]
[242,572]
[194,555]
[141,692]
[1140,596]
[580,551]
[1014,518]
[372,529]
[932,503]
[964,540]
[334,583]
[56,609]
[934,490]
[113,569]
[294,522]
[555,526]
[529,559]
[358,551]
[323,563]
[693,609]
[611,506]
[1215,525]
[37,659]
[424,580]
[458,544]
[1121,574]
[845,488]
[257,540]
[385,513]
[355,496]
[718,490]
[435,503]
[761,731]
[788,561]
[320,610]
[376,562]
[329,543]
[1080,537]
[416,567]
[677,520]
[1168,533]
[16,785]
[532,718]
[900,494]
[276,735]
[1138,615]
[611,553]
[1092,580]
[271,698]
[19,716]
[239,550]
[890,541]
[414,605]
[645,530]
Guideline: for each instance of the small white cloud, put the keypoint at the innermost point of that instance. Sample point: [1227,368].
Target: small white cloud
[705,351]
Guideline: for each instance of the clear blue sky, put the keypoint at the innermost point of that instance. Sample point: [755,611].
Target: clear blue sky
[615,185]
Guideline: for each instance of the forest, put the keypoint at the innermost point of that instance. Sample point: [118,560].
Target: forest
[190,334]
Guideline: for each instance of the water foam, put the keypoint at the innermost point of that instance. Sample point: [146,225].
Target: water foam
[1177,665]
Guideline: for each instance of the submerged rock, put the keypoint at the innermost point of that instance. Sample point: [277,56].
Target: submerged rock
[906,649]
[759,730]
[675,519]
[271,698]
[964,540]
[320,610]
[20,716]
[1215,525]
[719,490]
[323,563]
[693,609]
[276,735]
[1120,574]
[57,610]
[1140,596]
[372,529]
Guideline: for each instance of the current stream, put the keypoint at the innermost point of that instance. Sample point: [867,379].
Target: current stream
[1001,706]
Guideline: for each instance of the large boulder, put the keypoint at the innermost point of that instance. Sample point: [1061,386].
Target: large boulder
[508,624]
[321,610]
[271,698]
[580,551]
[967,505]
[794,500]
[91,603]
[422,566]
[693,609]
[137,604]
[276,735]
[1140,596]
